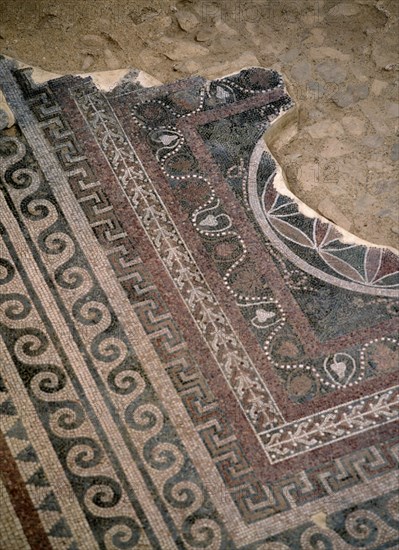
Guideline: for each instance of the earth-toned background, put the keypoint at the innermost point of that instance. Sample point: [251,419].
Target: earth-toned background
[340,59]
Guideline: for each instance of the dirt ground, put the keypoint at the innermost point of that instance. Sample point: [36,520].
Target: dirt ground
[339,57]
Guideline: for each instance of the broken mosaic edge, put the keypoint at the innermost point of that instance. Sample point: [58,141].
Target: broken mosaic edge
[281,129]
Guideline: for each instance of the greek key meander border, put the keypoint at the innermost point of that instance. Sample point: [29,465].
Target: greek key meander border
[186,266]
[71,374]
[377,460]
[97,205]
[120,427]
[330,419]
[384,411]
[212,430]
[305,531]
[244,495]
[351,429]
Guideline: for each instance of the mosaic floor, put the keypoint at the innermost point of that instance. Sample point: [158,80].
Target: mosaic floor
[188,359]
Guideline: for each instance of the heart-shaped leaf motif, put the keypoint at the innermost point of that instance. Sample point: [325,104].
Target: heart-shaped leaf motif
[340,368]
[262,315]
[167,139]
[209,221]
[221,93]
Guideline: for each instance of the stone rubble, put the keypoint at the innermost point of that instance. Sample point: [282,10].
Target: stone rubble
[187,21]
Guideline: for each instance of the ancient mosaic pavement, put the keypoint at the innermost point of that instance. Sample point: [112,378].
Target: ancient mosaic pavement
[187,360]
